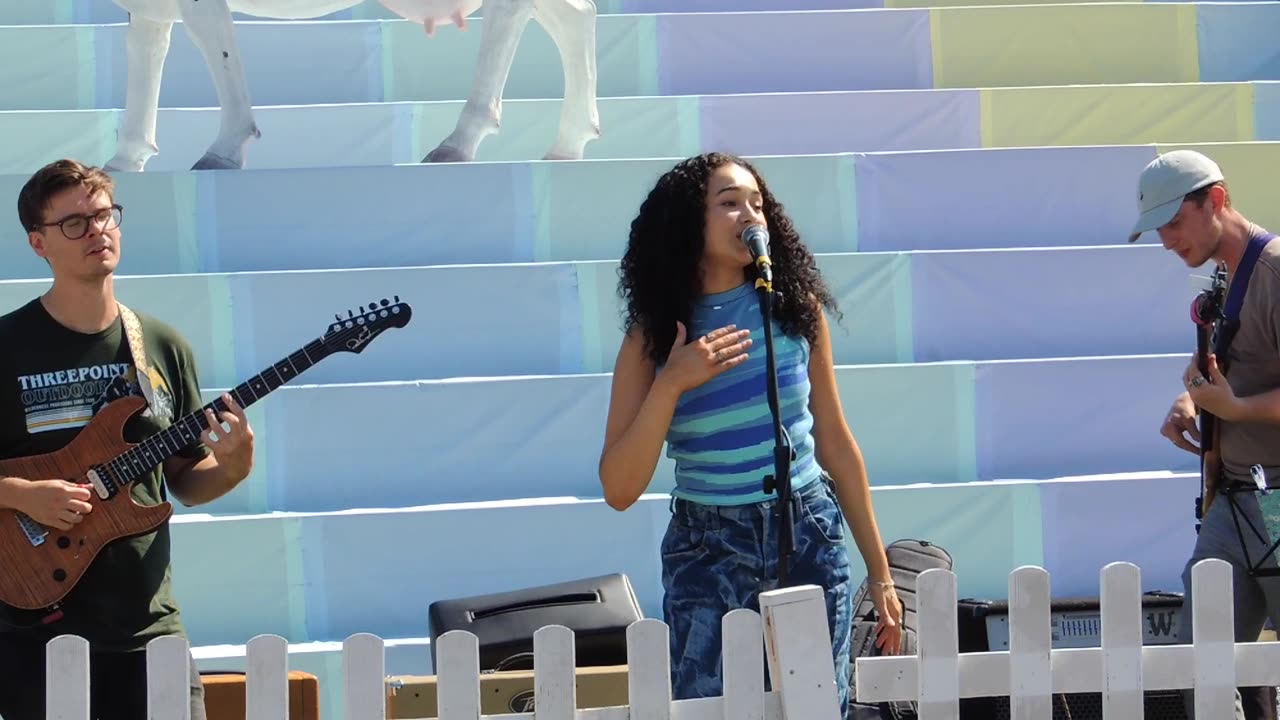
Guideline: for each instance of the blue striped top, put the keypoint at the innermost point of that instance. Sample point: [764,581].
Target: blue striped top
[721,437]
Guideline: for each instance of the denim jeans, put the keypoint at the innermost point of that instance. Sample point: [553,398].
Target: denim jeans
[720,558]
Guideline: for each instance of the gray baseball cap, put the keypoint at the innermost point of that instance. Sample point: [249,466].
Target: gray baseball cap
[1164,183]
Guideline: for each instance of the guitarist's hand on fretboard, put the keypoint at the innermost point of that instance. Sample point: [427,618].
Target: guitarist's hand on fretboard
[1210,391]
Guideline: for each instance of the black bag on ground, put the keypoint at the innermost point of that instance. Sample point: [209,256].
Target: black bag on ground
[907,559]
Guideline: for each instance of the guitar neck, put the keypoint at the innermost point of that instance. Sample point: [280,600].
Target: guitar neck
[144,456]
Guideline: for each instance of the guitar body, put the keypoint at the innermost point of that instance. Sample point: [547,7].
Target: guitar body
[37,576]
[1209,474]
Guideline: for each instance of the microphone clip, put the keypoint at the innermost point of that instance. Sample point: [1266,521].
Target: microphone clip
[756,238]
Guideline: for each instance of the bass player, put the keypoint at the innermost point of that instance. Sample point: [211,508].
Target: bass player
[1234,387]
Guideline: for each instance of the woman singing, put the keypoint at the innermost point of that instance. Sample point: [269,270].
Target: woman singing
[691,372]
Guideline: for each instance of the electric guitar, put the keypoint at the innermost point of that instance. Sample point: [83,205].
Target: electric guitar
[40,565]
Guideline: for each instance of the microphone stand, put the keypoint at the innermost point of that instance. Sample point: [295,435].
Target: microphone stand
[780,480]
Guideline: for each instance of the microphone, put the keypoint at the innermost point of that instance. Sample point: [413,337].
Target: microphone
[756,238]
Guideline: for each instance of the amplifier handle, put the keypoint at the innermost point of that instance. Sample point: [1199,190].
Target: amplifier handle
[553,601]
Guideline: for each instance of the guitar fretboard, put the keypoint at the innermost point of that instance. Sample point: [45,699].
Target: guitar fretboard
[144,456]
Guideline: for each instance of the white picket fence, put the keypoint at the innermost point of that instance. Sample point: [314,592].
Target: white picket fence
[1122,669]
[791,631]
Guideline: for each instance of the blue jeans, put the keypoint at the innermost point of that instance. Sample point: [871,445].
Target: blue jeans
[720,558]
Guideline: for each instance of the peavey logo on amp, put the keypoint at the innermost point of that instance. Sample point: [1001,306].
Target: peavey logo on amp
[521,702]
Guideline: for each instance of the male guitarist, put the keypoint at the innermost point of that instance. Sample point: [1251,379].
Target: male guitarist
[1183,196]
[65,354]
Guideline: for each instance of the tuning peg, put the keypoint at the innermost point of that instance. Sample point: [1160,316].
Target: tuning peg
[385,302]
[337,316]
[397,297]
[350,314]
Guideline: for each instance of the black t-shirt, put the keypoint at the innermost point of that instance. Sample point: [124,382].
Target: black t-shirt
[52,381]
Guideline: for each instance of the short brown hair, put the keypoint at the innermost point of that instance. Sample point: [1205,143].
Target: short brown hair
[52,179]
[1199,196]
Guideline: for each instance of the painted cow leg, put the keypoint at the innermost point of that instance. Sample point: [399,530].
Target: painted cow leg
[147,46]
[572,26]
[500,30]
[210,27]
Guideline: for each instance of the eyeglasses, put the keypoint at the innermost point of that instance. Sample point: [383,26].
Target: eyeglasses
[74,227]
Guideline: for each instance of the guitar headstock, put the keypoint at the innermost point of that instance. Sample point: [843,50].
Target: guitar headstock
[355,331]
[1206,307]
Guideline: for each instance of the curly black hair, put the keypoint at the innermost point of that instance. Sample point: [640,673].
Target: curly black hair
[659,274]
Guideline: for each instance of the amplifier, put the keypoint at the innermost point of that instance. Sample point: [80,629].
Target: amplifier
[598,610]
[1077,622]
[1074,622]
[415,696]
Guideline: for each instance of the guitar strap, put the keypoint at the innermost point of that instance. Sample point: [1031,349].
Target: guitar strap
[1235,294]
[133,331]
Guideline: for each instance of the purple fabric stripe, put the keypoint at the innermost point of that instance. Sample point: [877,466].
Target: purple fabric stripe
[805,123]
[718,53]
[1052,196]
[1046,419]
[1086,525]
[1120,300]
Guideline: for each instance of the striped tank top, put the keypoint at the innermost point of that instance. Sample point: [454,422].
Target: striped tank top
[721,437]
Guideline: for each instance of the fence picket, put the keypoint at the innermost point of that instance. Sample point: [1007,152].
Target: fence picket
[458,675]
[1030,674]
[1121,605]
[938,643]
[169,678]
[66,664]
[743,665]
[266,678]
[798,642]
[649,670]
[1213,636]
[555,693]
[363,661]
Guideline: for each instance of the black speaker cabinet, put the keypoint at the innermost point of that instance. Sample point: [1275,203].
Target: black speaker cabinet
[598,610]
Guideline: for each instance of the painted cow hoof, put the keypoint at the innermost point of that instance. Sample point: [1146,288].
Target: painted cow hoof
[445,153]
[216,162]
